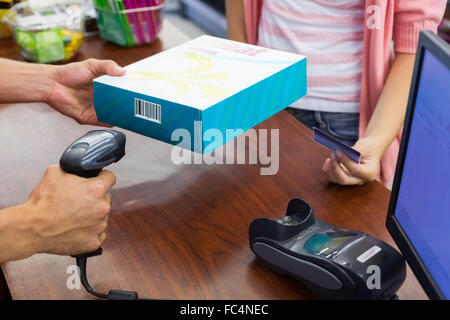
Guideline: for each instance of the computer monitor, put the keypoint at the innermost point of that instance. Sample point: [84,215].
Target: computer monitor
[419,210]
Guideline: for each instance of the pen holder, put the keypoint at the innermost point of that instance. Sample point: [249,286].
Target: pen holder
[129,27]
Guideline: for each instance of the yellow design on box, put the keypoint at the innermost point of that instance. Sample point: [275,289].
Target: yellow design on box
[200,76]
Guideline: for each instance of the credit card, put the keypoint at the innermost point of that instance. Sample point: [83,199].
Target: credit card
[333,144]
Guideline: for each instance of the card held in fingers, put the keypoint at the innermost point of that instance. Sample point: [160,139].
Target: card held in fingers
[333,144]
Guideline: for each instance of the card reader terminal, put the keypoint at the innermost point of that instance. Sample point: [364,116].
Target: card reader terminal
[333,262]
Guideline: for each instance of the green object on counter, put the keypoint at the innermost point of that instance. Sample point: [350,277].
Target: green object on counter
[50,46]
[27,44]
[125,23]
[43,46]
[113,26]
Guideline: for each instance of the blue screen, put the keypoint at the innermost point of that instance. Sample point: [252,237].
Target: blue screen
[423,204]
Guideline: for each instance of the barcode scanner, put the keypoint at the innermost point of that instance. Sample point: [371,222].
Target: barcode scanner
[86,157]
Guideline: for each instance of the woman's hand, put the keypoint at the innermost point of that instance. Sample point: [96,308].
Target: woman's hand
[71,88]
[342,170]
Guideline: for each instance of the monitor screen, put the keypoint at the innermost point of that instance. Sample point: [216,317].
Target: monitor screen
[423,204]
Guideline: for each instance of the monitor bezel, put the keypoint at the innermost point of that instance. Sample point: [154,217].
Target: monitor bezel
[441,50]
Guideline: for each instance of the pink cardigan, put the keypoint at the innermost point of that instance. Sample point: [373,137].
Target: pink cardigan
[401,21]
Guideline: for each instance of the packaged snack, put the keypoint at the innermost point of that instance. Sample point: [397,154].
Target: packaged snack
[46,35]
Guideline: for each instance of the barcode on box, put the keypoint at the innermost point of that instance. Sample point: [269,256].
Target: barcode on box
[147,110]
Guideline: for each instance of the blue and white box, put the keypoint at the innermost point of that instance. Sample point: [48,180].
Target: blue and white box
[217,83]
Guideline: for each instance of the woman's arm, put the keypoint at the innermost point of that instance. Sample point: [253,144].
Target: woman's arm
[385,123]
[387,119]
[236,20]
[410,17]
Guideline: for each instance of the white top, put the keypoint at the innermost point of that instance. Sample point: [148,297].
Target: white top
[202,72]
[330,33]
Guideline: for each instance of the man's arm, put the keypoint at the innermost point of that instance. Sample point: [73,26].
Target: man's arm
[17,240]
[384,125]
[236,20]
[24,82]
[66,88]
[65,214]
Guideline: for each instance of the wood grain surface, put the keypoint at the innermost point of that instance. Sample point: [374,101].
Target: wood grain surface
[177,231]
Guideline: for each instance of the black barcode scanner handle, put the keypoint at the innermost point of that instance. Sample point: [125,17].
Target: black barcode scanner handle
[86,157]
